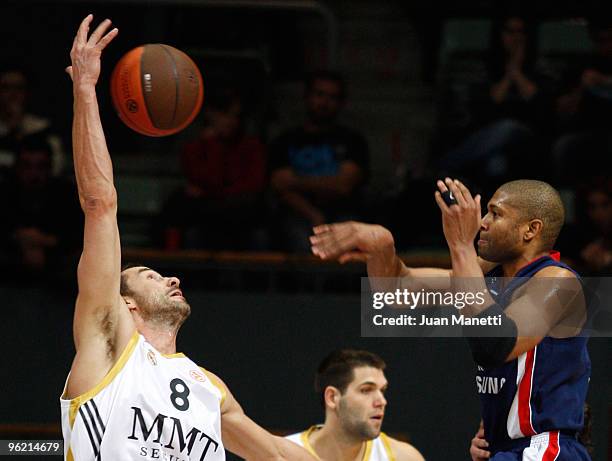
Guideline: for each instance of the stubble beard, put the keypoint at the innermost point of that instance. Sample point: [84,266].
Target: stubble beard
[500,252]
[162,310]
[354,425]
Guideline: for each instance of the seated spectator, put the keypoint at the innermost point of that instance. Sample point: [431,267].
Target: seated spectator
[318,169]
[220,206]
[16,123]
[585,108]
[42,221]
[509,111]
[596,243]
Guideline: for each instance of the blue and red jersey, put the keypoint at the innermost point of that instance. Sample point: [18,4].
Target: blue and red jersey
[542,390]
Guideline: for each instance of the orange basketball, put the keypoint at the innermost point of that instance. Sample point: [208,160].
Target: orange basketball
[156,89]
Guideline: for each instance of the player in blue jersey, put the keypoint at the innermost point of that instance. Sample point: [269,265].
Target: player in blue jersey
[532,376]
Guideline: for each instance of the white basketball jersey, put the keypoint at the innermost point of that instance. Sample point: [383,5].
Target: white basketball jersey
[378,449]
[149,406]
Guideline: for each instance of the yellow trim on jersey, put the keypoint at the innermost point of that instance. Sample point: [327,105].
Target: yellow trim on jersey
[368,450]
[305,437]
[215,382]
[69,455]
[178,355]
[387,444]
[306,442]
[114,371]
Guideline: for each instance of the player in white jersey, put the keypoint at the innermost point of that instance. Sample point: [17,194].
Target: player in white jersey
[129,395]
[352,385]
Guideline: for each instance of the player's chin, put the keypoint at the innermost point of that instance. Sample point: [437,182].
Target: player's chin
[181,304]
[484,249]
[375,425]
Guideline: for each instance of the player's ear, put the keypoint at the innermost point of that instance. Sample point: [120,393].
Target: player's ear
[332,397]
[534,227]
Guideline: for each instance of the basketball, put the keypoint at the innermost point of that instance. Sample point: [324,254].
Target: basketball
[156,89]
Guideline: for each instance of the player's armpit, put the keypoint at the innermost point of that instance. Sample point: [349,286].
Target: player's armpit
[523,344]
[245,438]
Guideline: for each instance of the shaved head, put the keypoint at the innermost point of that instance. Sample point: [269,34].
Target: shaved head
[537,200]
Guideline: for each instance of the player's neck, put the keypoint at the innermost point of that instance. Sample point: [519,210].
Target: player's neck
[161,338]
[511,268]
[331,442]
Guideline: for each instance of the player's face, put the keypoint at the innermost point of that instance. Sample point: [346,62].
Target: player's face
[324,101]
[599,209]
[158,298]
[500,234]
[33,169]
[12,90]
[603,42]
[513,34]
[362,406]
[226,123]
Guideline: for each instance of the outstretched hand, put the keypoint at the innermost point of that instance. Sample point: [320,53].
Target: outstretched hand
[460,221]
[349,241]
[85,53]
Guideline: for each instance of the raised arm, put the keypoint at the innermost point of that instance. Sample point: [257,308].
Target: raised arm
[102,323]
[245,438]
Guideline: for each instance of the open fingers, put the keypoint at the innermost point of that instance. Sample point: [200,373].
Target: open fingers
[452,186]
[81,35]
[440,201]
[107,38]
[331,246]
[97,34]
[326,231]
[467,195]
[441,185]
[333,243]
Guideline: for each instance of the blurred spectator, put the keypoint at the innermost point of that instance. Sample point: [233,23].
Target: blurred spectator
[42,222]
[596,243]
[511,111]
[220,207]
[585,108]
[317,169]
[16,122]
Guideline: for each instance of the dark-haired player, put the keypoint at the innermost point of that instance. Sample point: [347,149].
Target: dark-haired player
[533,377]
[352,385]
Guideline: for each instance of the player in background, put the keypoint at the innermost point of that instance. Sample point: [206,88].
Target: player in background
[352,385]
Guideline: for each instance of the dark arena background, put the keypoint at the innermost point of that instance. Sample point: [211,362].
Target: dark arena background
[420,89]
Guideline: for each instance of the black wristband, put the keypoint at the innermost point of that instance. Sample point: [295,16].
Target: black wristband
[491,346]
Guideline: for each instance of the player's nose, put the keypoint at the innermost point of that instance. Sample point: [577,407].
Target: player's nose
[381,401]
[174,282]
